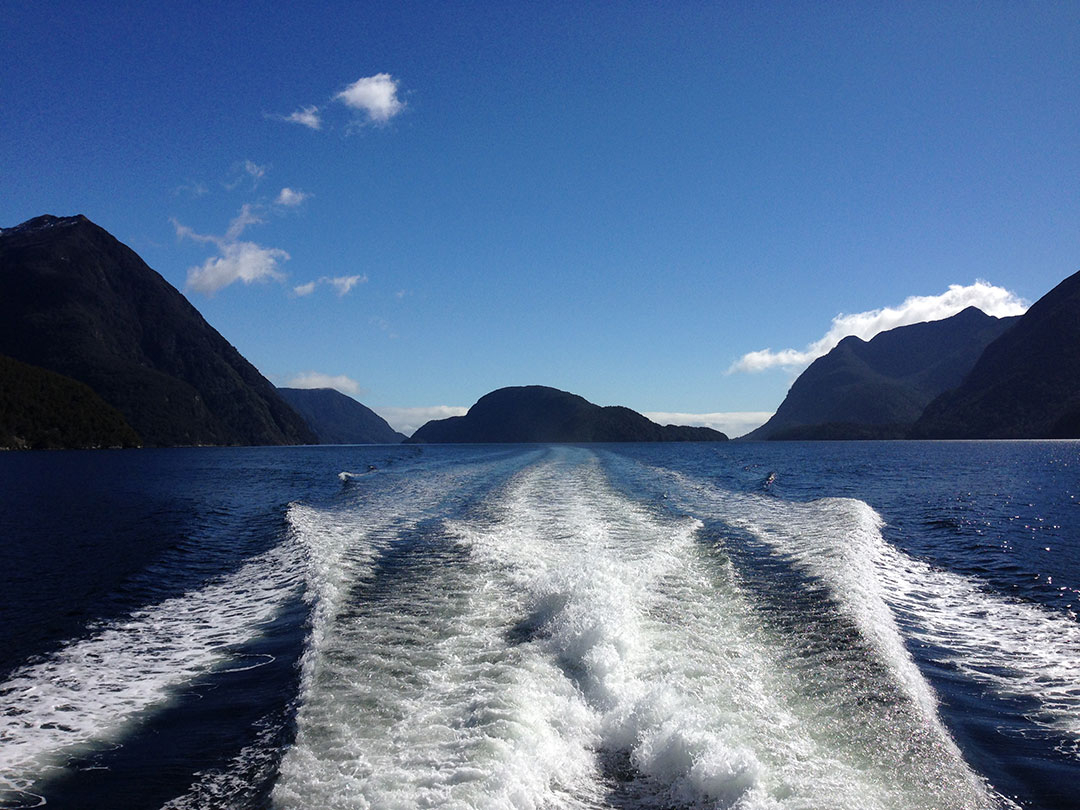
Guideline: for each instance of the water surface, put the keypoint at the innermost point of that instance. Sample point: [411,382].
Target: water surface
[820,625]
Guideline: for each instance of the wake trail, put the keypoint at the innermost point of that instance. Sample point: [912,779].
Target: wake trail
[88,694]
[689,684]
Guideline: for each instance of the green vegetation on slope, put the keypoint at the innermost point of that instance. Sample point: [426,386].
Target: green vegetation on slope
[43,410]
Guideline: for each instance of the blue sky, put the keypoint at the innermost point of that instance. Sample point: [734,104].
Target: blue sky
[622,200]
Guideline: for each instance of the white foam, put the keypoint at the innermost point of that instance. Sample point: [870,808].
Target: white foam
[566,647]
[411,697]
[1017,649]
[840,541]
[85,695]
[680,672]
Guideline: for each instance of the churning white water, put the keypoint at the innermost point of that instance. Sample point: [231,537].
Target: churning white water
[559,645]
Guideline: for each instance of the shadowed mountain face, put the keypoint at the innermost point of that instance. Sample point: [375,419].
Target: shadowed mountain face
[43,410]
[339,419]
[76,301]
[1026,385]
[877,388]
[536,413]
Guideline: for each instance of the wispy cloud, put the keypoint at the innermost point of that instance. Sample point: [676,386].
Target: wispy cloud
[316,379]
[254,170]
[290,198]
[184,232]
[407,420]
[384,326]
[374,96]
[341,284]
[305,116]
[247,216]
[733,423]
[236,260]
[996,301]
[195,188]
[247,170]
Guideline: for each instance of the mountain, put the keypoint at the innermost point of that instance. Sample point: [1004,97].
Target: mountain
[1026,385]
[42,410]
[536,413]
[878,388]
[76,301]
[339,419]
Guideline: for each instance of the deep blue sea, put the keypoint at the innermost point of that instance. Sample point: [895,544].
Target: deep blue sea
[781,626]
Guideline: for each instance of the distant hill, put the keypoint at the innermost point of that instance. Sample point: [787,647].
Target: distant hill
[76,301]
[42,410]
[1026,385]
[536,413]
[878,388]
[339,419]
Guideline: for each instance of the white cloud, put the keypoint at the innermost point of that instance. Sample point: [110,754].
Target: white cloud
[376,96]
[344,283]
[236,261]
[733,423]
[290,197]
[241,221]
[184,232]
[407,420]
[239,261]
[254,170]
[341,284]
[996,301]
[316,379]
[249,169]
[307,116]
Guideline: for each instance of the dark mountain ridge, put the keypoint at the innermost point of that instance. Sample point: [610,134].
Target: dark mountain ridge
[76,301]
[1026,385]
[878,388]
[537,413]
[339,419]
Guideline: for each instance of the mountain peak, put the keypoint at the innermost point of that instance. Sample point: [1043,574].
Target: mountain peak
[44,222]
[76,301]
[1024,385]
[878,387]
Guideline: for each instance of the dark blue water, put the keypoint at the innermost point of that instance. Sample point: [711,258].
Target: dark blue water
[741,625]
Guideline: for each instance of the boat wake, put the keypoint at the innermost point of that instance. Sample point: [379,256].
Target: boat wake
[565,646]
